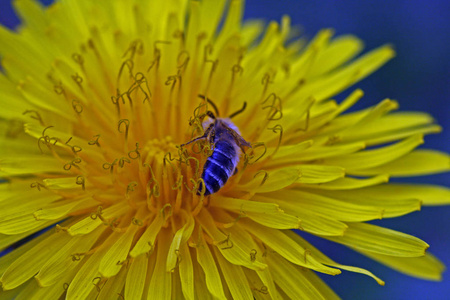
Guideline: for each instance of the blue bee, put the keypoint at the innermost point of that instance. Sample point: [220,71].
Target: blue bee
[226,143]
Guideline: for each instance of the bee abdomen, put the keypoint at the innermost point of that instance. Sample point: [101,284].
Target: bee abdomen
[218,168]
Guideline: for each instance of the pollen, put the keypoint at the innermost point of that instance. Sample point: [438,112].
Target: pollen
[100,100]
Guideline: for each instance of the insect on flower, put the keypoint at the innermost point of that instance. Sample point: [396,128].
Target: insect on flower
[226,144]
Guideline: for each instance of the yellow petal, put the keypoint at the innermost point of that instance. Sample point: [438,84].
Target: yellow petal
[27,265]
[427,194]
[370,115]
[7,259]
[201,290]
[386,124]
[328,207]
[234,277]
[309,220]
[209,266]
[372,158]
[268,282]
[292,280]
[401,134]
[161,282]
[22,224]
[30,164]
[389,207]
[290,150]
[230,249]
[419,162]
[27,291]
[326,260]
[114,286]
[272,181]
[251,30]
[134,285]
[211,12]
[286,247]
[91,222]
[424,267]
[54,291]
[63,208]
[319,173]
[264,213]
[349,183]
[334,82]
[337,52]
[147,240]
[328,151]
[66,258]
[22,204]
[372,238]
[268,181]
[186,273]
[181,236]
[87,278]
[116,255]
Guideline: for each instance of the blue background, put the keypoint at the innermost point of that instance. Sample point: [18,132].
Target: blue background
[419,78]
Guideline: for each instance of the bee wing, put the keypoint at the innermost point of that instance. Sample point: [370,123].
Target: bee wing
[239,139]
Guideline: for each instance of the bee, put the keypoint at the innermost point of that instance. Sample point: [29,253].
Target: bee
[227,145]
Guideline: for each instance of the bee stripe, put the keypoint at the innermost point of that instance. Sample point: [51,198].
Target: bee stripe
[217,150]
[225,168]
[216,178]
[211,183]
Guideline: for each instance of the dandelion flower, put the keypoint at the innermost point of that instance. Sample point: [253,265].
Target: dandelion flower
[98,99]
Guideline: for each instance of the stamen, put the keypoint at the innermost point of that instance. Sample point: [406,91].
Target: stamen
[99,283]
[266,176]
[263,290]
[77,107]
[36,116]
[122,161]
[136,47]
[266,80]
[58,88]
[37,185]
[227,241]
[141,79]
[128,64]
[276,106]
[253,253]
[169,212]
[81,181]
[308,114]
[275,129]
[73,163]
[75,149]
[109,166]
[137,222]
[156,54]
[78,58]
[78,80]
[183,60]
[95,142]
[134,154]
[126,123]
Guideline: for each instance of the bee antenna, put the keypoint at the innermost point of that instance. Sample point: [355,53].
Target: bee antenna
[239,111]
[210,102]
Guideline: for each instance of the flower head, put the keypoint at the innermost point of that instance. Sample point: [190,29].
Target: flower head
[106,138]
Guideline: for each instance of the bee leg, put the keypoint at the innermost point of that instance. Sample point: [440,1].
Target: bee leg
[204,136]
[212,137]
[235,171]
